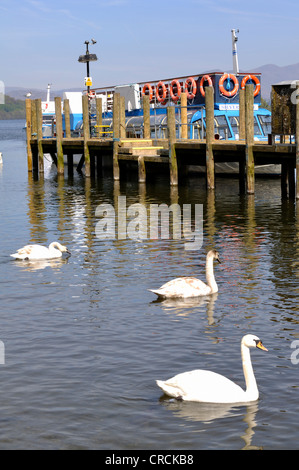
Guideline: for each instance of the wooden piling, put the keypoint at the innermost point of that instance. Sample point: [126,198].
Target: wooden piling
[210,168]
[249,138]
[297,141]
[59,131]
[99,116]
[86,133]
[241,114]
[146,117]
[67,122]
[116,134]
[184,119]
[173,166]
[122,117]
[141,170]
[39,122]
[28,135]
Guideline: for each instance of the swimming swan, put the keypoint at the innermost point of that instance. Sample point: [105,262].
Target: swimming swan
[190,286]
[35,252]
[210,387]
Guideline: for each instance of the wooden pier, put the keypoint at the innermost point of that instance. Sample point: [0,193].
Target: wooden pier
[176,154]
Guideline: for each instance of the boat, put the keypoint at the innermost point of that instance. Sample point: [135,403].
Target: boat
[48,111]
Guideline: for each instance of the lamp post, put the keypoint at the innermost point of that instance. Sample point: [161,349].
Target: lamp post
[86,58]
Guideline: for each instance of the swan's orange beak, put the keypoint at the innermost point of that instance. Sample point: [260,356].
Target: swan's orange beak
[260,346]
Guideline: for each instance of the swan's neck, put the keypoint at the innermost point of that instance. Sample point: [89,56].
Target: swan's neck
[210,275]
[251,386]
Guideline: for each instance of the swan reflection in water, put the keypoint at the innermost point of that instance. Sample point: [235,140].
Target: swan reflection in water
[208,412]
[182,307]
[35,265]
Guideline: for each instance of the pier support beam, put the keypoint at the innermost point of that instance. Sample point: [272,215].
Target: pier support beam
[210,167]
[86,133]
[66,109]
[28,135]
[116,134]
[39,122]
[146,117]
[249,136]
[241,114]
[173,166]
[184,120]
[59,131]
[99,111]
[122,117]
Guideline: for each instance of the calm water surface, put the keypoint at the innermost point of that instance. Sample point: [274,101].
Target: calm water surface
[85,340]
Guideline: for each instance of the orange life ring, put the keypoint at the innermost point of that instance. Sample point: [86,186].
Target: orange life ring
[161,98]
[147,87]
[175,97]
[255,80]
[205,78]
[224,77]
[190,94]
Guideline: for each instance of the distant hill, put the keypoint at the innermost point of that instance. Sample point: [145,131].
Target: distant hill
[272,74]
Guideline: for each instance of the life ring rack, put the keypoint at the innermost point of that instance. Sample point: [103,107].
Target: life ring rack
[175,96]
[204,78]
[190,82]
[255,80]
[228,76]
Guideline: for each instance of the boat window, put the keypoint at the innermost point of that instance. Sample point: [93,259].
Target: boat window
[257,129]
[265,122]
[197,130]
[234,122]
[221,127]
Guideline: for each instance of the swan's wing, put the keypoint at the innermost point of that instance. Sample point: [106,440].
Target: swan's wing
[202,386]
[23,252]
[183,287]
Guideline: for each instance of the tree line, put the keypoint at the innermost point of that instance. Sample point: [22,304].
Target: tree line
[12,109]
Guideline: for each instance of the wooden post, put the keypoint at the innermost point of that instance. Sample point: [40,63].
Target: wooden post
[146,117]
[249,136]
[172,153]
[99,116]
[116,134]
[86,133]
[39,122]
[59,150]
[141,170]
[28,135]
[66,108]
[209,104]
[297,142]
[241,114]
[184,120]
[122,117]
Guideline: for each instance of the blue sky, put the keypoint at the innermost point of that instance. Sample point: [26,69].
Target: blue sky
[140,40]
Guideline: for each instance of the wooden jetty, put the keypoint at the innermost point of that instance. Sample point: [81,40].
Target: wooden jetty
[173,152]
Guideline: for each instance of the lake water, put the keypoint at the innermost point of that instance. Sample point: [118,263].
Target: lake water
[85,340]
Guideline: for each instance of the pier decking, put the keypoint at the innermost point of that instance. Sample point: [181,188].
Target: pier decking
[175,153]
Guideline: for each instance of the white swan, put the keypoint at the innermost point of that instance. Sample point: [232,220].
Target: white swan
[210,387]
[36,252]
[183,287]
